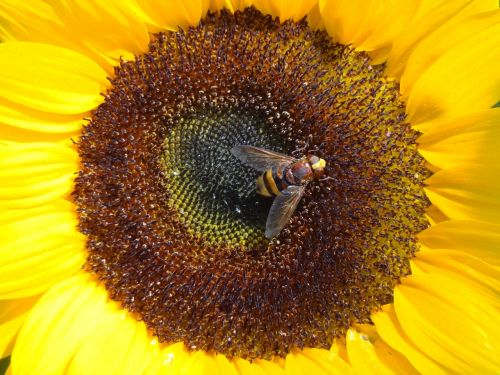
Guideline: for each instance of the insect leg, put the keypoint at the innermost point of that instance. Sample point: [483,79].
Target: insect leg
[326,178]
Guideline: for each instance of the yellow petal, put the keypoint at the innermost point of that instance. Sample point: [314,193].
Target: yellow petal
[232,5]
[167,360]
[217,5]
[466,193]
[434,215]
[195,363]
[463,79]
[368,25]
[296,365]
[245,367]
[172,14]
[20,117]
[379,55]
[200,363]
[105,31]
[38,247]
[455,323]
[117,344]
[472,140]
[274,367]
[12,315]
[479,239]
[55,327]
[462,266]
[294,10]
[299,363]
[49,79]
[391,332]
[176,359]
[327,360]
[339,349]
[314,18]
[112,28]
[72,326]
[369,354]
[16,134]
[257,367]
[35,173]
[447,37]
[431,16]
[225,366]
[32,21]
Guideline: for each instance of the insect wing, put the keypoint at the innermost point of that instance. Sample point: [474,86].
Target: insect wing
[282,209]
[260,158]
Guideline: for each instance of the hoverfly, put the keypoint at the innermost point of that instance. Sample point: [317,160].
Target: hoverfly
[283,177]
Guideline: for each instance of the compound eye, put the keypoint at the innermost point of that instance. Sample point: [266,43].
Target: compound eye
[313,159]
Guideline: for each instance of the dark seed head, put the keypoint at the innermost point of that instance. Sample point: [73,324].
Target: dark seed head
[175,230]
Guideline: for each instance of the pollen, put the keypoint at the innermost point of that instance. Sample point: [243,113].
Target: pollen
[174,225]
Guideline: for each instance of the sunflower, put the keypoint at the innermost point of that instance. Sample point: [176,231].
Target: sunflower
[132,241]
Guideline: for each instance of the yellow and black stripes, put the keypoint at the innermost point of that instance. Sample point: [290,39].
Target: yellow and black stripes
[271,182]
[261,186]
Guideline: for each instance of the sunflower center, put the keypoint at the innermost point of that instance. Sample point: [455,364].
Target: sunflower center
[213,193]
[175,229]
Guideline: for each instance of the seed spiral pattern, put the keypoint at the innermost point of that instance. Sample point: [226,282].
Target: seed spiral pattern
[175,231]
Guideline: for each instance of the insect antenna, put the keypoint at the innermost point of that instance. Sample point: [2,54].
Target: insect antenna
[301,150]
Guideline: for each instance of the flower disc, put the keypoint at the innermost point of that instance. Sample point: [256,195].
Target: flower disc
[175,228]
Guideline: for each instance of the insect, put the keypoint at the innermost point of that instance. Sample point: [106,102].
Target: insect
[284,177]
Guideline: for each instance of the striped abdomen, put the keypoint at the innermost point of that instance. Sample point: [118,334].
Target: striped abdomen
[273,181]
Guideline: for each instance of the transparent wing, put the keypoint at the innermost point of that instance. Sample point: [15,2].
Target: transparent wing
[259,158]
[282,209]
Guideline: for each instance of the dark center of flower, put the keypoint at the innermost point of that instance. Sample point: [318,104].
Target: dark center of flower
[175,228]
